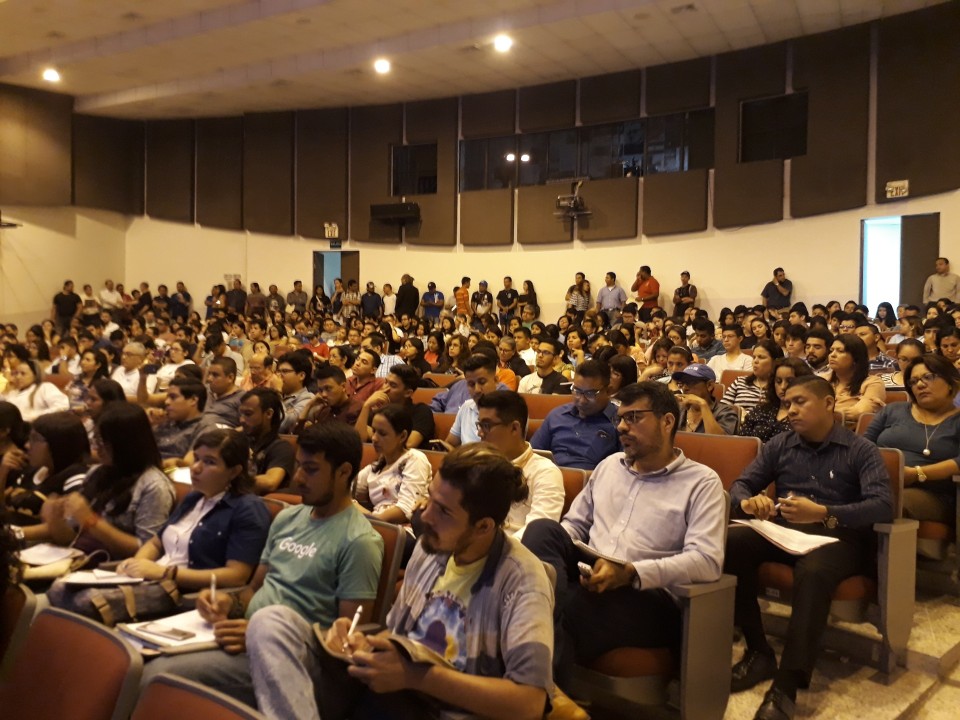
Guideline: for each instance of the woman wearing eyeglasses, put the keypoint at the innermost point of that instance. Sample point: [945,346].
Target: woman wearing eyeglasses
[927,431]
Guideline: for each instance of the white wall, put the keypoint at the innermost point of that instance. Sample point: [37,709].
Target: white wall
[53,245]
[821,255]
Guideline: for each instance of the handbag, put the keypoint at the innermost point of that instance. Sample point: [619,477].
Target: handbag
[123,603]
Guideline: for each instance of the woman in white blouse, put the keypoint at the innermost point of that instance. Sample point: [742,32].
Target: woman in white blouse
[33,396]
[389,488]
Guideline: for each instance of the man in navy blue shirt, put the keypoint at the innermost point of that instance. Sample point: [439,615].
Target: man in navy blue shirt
[828,481]
[371,304]
[584,432]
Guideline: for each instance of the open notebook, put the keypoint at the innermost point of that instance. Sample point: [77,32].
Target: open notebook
[183,633]
[787,539]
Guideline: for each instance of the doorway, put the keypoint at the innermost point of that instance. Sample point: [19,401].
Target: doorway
[897,254]
[330,265]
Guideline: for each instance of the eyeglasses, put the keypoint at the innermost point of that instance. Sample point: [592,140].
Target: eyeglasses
[632,417]
[545,352]
[926,379]
[485,426]
[588,394]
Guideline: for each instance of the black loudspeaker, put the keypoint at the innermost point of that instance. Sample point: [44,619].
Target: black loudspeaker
[396,213]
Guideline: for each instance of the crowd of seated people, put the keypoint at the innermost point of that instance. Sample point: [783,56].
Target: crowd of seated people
[144,391]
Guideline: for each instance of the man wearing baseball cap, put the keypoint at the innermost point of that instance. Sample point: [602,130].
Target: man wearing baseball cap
[432,303]
[482,301]
[700,411]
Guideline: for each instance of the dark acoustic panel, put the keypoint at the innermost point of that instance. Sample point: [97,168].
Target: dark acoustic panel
[678,86]
[613,206]
[220,172]
[268,173]
[321,171]
[170,164]
[608,98]
[834,69]
[35,147]
[548,107]
[675,203]
[427,122]
[919,250]
[918,93]
[536,223]
[486,217]
[489,114]
[374,130]
[108,164]
[745,193]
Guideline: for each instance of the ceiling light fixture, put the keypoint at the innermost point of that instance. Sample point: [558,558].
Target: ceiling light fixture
[510,157]
[502,43]
[524,158]
[381,65]
[51,75]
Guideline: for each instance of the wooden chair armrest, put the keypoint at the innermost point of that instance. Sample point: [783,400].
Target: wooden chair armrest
[693,590]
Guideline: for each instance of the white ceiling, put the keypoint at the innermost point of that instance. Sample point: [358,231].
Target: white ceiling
[174,58]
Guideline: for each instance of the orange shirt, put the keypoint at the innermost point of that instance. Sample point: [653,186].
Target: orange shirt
[647,288]
[462,297]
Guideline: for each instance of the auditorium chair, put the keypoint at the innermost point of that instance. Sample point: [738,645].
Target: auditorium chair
[441,379]
[885,601]
[442,422]
[394,538]
[938,568]
[533,424]
[539,406]
[425,395]
[893,396]
[863,422]
[71,667]
[637,681]
[573,481]
[17,607]
[727,377]
[169,696]
[727,455]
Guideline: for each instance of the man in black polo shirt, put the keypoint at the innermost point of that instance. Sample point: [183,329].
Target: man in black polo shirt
[507,300]
[371,304]
[66,306]
[398,387]
[273,458]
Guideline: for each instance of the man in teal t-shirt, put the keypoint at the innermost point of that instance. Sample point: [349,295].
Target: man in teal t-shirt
[322,559]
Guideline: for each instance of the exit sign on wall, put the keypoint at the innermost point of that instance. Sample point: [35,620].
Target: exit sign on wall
[898,189]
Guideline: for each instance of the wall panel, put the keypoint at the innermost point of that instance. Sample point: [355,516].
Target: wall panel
[170,147]
[268,172]
[373,130]
[609,98]
[918,93]
[220,172]
[675,202]
[834,69]
[678,86]
[489,114]
[108,160]
[536,223]
[321,171]
[427,122]
[486,217]
[613,206]
[35,147]
[746,193]
[548,107]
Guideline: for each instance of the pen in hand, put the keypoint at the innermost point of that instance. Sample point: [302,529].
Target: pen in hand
[213,589]
[353,625]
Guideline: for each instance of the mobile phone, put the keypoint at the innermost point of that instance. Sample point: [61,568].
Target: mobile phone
[585,570]
[168,632]
[437,446]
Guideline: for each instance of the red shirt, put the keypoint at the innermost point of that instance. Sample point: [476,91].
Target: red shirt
[647,288]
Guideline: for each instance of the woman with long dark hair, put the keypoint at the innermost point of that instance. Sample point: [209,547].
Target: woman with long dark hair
[412,354]
[769,418]
[857,391]
[93,367]
[748,392]
[228,541]
[56,460]
[32,395]
[124,501]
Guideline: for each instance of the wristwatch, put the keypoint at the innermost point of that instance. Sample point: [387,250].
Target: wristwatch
[921,475]
[830,521]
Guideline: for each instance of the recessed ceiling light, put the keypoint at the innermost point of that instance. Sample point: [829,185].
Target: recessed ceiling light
[510,157]
[524,158]
[502,43]
[51,75]
[381,65]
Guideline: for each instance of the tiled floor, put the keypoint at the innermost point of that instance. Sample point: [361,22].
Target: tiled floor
[843,689]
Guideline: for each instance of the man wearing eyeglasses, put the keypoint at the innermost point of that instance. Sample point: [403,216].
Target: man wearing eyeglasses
[545,380]
[582,433]
[659,518]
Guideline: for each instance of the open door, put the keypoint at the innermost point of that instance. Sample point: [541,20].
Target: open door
[919,250]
